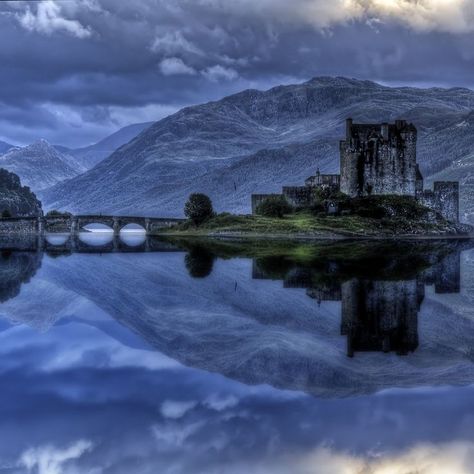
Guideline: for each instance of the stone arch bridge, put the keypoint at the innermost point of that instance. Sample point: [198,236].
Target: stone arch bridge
[75,224]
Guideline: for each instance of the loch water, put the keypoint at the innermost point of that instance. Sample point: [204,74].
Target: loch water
[138,355]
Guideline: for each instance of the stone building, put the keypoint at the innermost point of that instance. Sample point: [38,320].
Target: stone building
[377,159]
[380,159]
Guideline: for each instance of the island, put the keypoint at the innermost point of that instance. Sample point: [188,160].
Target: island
[379,193]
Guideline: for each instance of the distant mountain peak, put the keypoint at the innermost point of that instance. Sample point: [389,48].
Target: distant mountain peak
[40,165]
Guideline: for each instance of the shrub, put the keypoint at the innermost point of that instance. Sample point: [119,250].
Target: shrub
[198,208]
[325,195]
[389,207]
[274,206]
[56,213]
[6,214]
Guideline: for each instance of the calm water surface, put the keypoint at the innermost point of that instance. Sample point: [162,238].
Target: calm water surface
[140,356]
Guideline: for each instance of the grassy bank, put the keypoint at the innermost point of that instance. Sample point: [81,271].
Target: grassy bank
[304,224]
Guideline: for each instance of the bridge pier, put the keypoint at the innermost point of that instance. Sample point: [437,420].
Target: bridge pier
[73,225]
[116,226]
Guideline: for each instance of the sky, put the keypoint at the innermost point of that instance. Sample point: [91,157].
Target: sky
[74,71]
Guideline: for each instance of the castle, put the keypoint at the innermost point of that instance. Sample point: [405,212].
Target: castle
[377,159]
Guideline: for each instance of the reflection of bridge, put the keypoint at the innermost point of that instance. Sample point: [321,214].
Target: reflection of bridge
[83,242]
[73,224]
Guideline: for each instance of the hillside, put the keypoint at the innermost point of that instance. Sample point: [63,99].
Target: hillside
[90,155]
[256,141]
[40,165]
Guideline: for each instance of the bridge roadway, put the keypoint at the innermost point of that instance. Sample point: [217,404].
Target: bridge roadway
[75,224]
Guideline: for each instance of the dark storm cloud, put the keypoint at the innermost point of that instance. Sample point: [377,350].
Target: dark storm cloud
[73,71]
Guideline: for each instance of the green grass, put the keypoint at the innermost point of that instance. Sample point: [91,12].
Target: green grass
[304,223]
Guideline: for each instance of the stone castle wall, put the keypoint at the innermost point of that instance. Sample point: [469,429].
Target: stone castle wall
[378,159]
[20,225]
[257,199]
[298,196]
[444,198]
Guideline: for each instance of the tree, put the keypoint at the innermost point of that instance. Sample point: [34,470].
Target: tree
[274,206]
[198,208]
[6,214]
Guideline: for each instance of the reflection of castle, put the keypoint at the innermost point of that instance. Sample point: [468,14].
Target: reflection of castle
[380,313]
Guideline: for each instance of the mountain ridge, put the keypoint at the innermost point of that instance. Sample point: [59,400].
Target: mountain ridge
[215,143]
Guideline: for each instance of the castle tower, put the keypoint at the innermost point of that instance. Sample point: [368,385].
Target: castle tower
[379,159]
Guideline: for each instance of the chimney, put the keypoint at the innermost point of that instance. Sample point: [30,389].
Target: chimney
[385,131]
[348,129]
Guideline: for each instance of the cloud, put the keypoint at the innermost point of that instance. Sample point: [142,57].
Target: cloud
[167,55]
[455,458]
[175,66]
[220,73]
[454,16]
[48,19]
[51,460]
[174,43]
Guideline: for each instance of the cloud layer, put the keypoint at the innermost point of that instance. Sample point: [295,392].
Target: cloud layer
[75,71]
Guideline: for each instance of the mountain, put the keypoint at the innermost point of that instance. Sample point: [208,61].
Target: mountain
[257,141]
[91,155]
[4,147]
[40,165]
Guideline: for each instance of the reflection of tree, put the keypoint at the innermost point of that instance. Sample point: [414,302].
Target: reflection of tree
[273,267]
[16,268]
[199,262]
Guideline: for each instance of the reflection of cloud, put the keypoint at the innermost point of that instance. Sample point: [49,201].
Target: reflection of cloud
[172,436]
[109,395]
[452,458]
[221,403]
[175,409]
[51,460]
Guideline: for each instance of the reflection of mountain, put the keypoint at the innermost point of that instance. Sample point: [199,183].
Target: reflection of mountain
[256,332]
[15,269]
